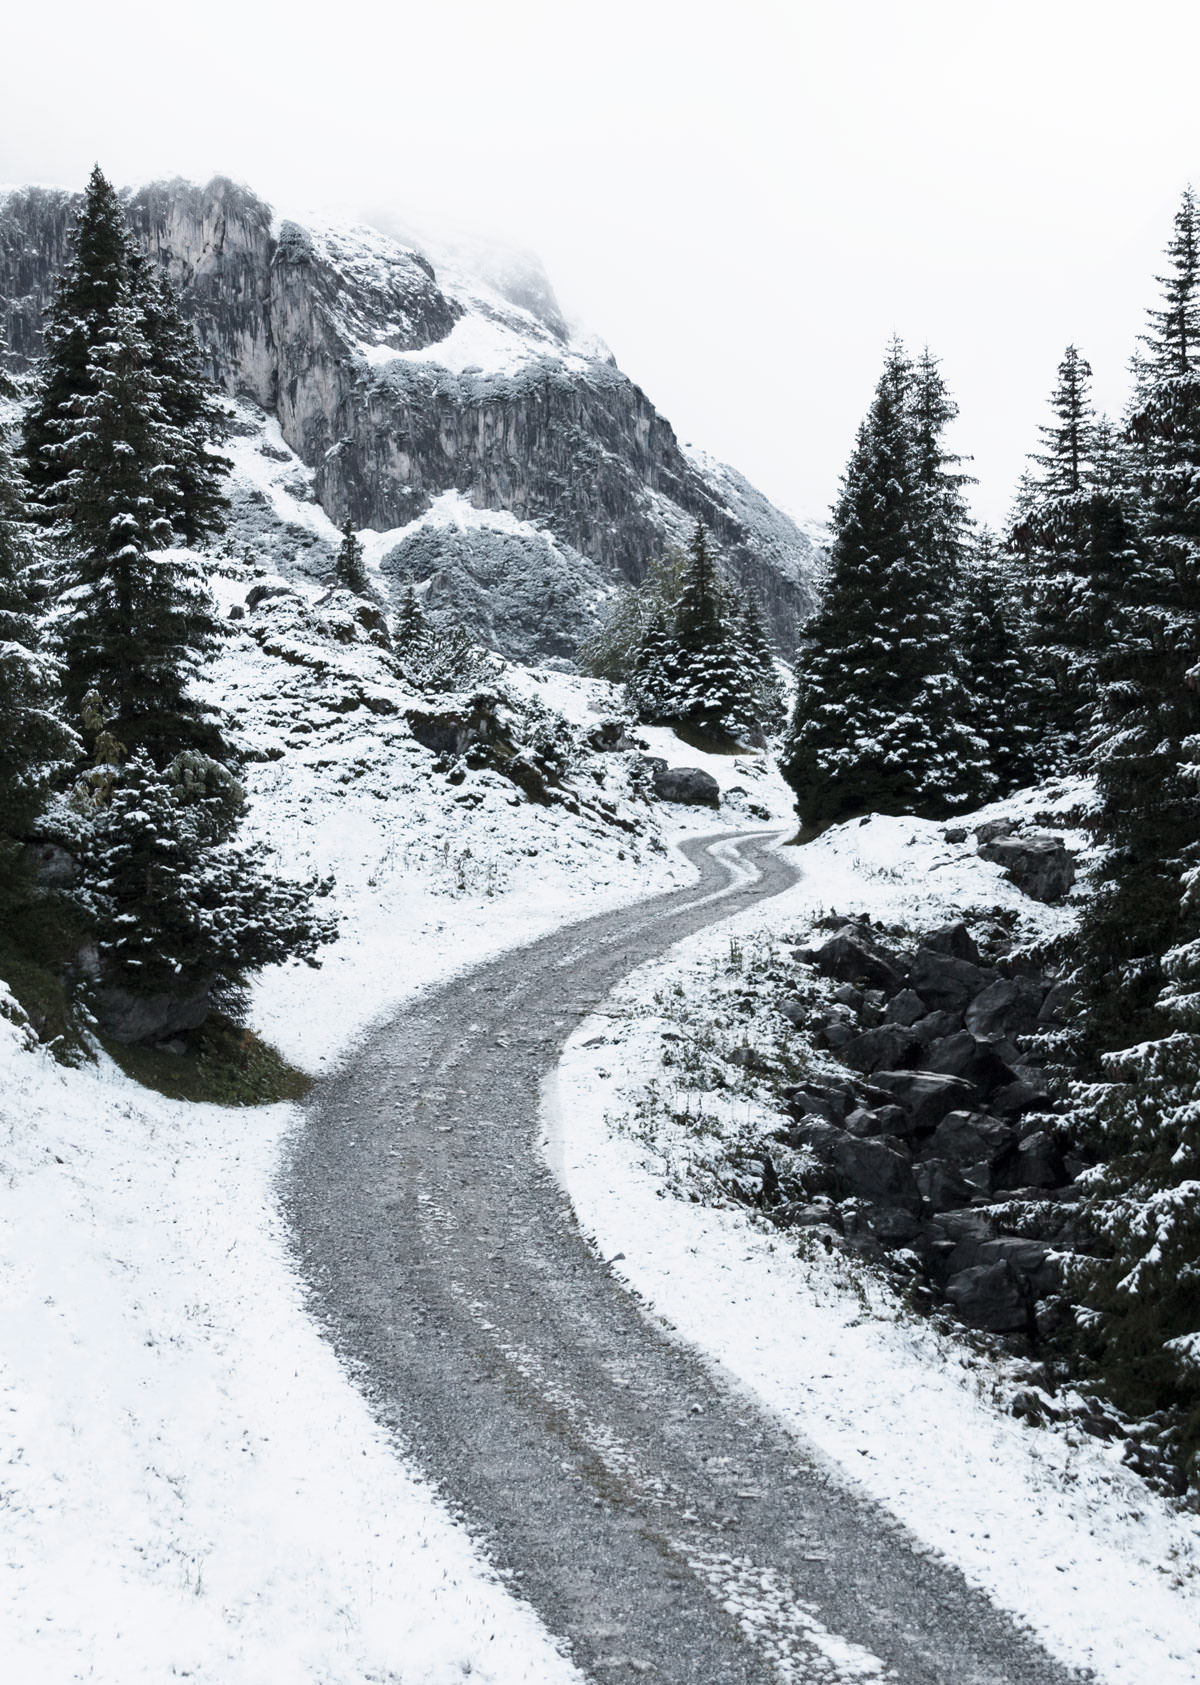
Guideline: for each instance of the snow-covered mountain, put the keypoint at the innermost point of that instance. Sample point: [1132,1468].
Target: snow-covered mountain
[444,403]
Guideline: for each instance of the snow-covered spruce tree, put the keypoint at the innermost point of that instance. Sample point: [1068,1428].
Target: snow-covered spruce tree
[194,499]
[86,295]
[1145,714]
[35,744]
[1140,935]
[133,619]
[176,905]
[349,568]
[758,661]
[612,652]
[1001,693]
[713,691]
[879,723]
[1069,529]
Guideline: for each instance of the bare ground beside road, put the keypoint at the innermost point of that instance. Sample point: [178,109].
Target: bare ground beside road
[657,1520]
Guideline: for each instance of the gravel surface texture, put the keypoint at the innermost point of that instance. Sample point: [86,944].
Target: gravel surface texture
[660,1523]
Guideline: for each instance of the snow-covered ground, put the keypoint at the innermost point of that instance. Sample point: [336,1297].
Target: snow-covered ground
[192,1488]
[1047,1520]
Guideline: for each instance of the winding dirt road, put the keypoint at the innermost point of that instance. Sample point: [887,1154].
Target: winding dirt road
[660,1523]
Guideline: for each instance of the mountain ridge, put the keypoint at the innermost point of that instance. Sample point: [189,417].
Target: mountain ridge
[396,383]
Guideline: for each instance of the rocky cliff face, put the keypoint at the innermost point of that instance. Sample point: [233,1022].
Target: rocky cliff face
[398,384]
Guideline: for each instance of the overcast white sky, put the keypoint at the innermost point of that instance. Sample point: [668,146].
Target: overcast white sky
[745,200]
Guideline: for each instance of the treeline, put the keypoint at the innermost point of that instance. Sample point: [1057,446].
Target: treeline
[948,666]
[154,908]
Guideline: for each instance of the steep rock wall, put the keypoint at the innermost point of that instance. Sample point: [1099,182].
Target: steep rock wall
[337,333]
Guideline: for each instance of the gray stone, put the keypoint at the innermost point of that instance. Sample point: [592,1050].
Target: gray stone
[794,1011]
[847,995]
[964,1055]
[936,1025]
[941,1184]
[1040,866]
[905,1008]
[993,828]
[849,958]
[1039,1162]
[1007,1007]
[955,940]
[966,1138]
[1060,1005]
[688,785]
[1017,1097]
[991,1296]
[926,1096]
[837,1033]
[873,1170]
[130,1018]
[1029,1258]
[877,1120]
[890,1046]
[945,983]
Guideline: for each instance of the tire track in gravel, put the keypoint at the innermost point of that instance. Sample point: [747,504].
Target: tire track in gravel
[657,1520]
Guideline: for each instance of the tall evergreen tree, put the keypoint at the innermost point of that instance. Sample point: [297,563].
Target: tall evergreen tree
[86,295]
[194,499]
[1001,693]
[1069,528]
[712,689]
[34,741]
[133,620]
[1145,713]
[879,720]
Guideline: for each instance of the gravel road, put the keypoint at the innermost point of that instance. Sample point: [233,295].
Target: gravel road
[660,1523]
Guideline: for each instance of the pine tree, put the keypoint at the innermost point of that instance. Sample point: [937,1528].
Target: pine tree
[194,500]
[133,620]
[1002,695]
[87,294]
[878,724]
[759,663]
[412,624]
[706,668]
[1069,528]
[1144,712]
[176,905]
[34,742]
[349,569]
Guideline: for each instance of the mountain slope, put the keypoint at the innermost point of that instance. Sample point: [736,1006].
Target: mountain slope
[397,383]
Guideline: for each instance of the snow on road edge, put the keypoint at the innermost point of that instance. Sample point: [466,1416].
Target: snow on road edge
[1048,1522]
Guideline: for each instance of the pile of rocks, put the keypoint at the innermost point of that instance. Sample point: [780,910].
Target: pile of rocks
[941,1133]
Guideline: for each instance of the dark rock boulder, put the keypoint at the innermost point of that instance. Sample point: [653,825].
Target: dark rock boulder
[889,1047]
[849,957]
[129,1018]
[1038,1163]
[935,1026]
[905,1008]
[967,1138]
[991,1296]
[873,1170]
[955,940]
[1039,865]
[1016,1098]
[1007,1007]
[876,1120]
[945,983]
[688,785]
[926,1096]
[964,1055]
[942,1184]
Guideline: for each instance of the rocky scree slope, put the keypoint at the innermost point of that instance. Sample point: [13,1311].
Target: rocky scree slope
[398,384]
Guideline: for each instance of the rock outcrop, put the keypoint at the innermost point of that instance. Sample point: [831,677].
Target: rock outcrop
[397,385]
